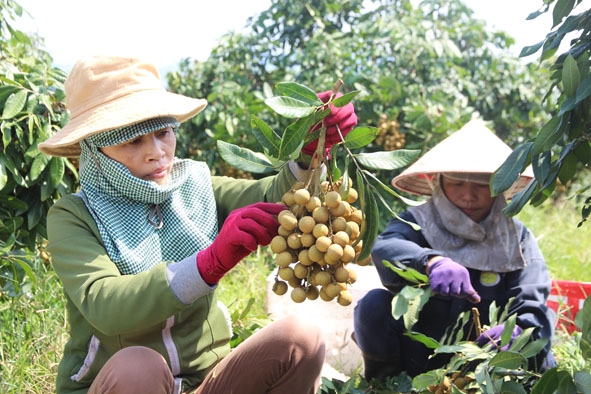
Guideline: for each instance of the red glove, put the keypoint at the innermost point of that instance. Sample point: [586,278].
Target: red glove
[344,117]
[243,231]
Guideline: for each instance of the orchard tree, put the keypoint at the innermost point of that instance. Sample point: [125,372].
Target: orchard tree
[421,72]
[31,109]
[560,153]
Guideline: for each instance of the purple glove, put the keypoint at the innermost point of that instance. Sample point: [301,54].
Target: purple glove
[447,277]
[493,335]
[344,117]
[243,231]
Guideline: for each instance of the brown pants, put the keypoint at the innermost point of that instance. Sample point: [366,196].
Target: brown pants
[283,358]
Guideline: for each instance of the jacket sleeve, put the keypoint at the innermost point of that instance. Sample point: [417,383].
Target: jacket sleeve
[531,287]
[93,283]
[400,242]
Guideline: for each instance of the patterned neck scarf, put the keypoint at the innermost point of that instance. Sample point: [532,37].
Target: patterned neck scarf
[142,223]
[490,245]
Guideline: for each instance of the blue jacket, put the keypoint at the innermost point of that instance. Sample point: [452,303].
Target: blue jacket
[529,286]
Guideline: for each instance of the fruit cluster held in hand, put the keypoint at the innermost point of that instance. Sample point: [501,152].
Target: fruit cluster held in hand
[318,238]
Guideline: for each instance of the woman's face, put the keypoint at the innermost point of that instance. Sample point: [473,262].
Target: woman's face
[472,198]
[149,156]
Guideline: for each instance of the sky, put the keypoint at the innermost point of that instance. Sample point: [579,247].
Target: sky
[164,32]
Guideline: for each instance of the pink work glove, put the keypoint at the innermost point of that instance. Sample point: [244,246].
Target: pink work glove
[494,335]
[447,277]
[243,231]
[343,117]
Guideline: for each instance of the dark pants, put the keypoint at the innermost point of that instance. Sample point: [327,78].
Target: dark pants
[381,337]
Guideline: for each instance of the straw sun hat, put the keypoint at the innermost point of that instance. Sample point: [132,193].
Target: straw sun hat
[473,151]
[107,92]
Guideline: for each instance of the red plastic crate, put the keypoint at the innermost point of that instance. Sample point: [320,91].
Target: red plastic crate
[566,298]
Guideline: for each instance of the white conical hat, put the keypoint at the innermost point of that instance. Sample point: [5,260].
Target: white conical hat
[474,149]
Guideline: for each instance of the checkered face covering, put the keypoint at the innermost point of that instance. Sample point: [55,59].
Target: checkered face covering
[140,222]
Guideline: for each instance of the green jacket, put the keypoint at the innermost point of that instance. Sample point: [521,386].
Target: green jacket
[108,311]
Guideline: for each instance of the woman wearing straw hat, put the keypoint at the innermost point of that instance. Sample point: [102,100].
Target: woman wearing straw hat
[472,252]
[139,251]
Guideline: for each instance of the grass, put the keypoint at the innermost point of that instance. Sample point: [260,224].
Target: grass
[33,328]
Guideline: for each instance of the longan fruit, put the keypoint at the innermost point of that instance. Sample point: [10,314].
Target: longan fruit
[300,271]
[352,275]
[283,231]
[324,295]
[312,293]
[333,253]
[322,278]
[298,294]
[308,240]
[348,254]
[364,262]
[313,203]
[345,298]
[338,224]
[320,229]
[341,238]
[279,287]
[320,214]
[286,273]
[294,241]
[323,243]
[352,196]
[352,229]
[278,244]
[301,196]
[339,210]
[332,290]
[284,259]
[332,199]
[288,199]
[341,274]
[314,254]
[306,224]
[356,215]
[287,219]
[304,259]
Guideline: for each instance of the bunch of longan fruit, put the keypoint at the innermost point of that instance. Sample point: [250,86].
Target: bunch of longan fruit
[318,237]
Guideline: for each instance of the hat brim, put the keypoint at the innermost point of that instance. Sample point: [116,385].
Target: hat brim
[124,111]
[472,149]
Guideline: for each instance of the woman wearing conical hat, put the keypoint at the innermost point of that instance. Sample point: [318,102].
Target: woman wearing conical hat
[141,247]
[472,252]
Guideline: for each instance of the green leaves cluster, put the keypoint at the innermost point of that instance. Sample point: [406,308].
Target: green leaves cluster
[302,106]
[31,109]
[562,147]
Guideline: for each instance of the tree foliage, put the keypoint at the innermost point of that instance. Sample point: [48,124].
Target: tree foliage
[422,72]
[561,149]
[31,109]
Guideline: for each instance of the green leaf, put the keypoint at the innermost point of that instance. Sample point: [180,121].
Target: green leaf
[361,136]
[244,159]
[3,176]
[561,9]
[508,360]
[266,137]
[409,274]
[14,104]
[512,387]
[568,168]
[520,199]
[511,169]
[299,92]
[370,224]
[571,76]
[56,171]
[407,201]
[387,160]
[425,340]
[530,50]
[38,165]
[583,381]
[344,99]
[547,136]
[293,137]
[584,89]
[290,107]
